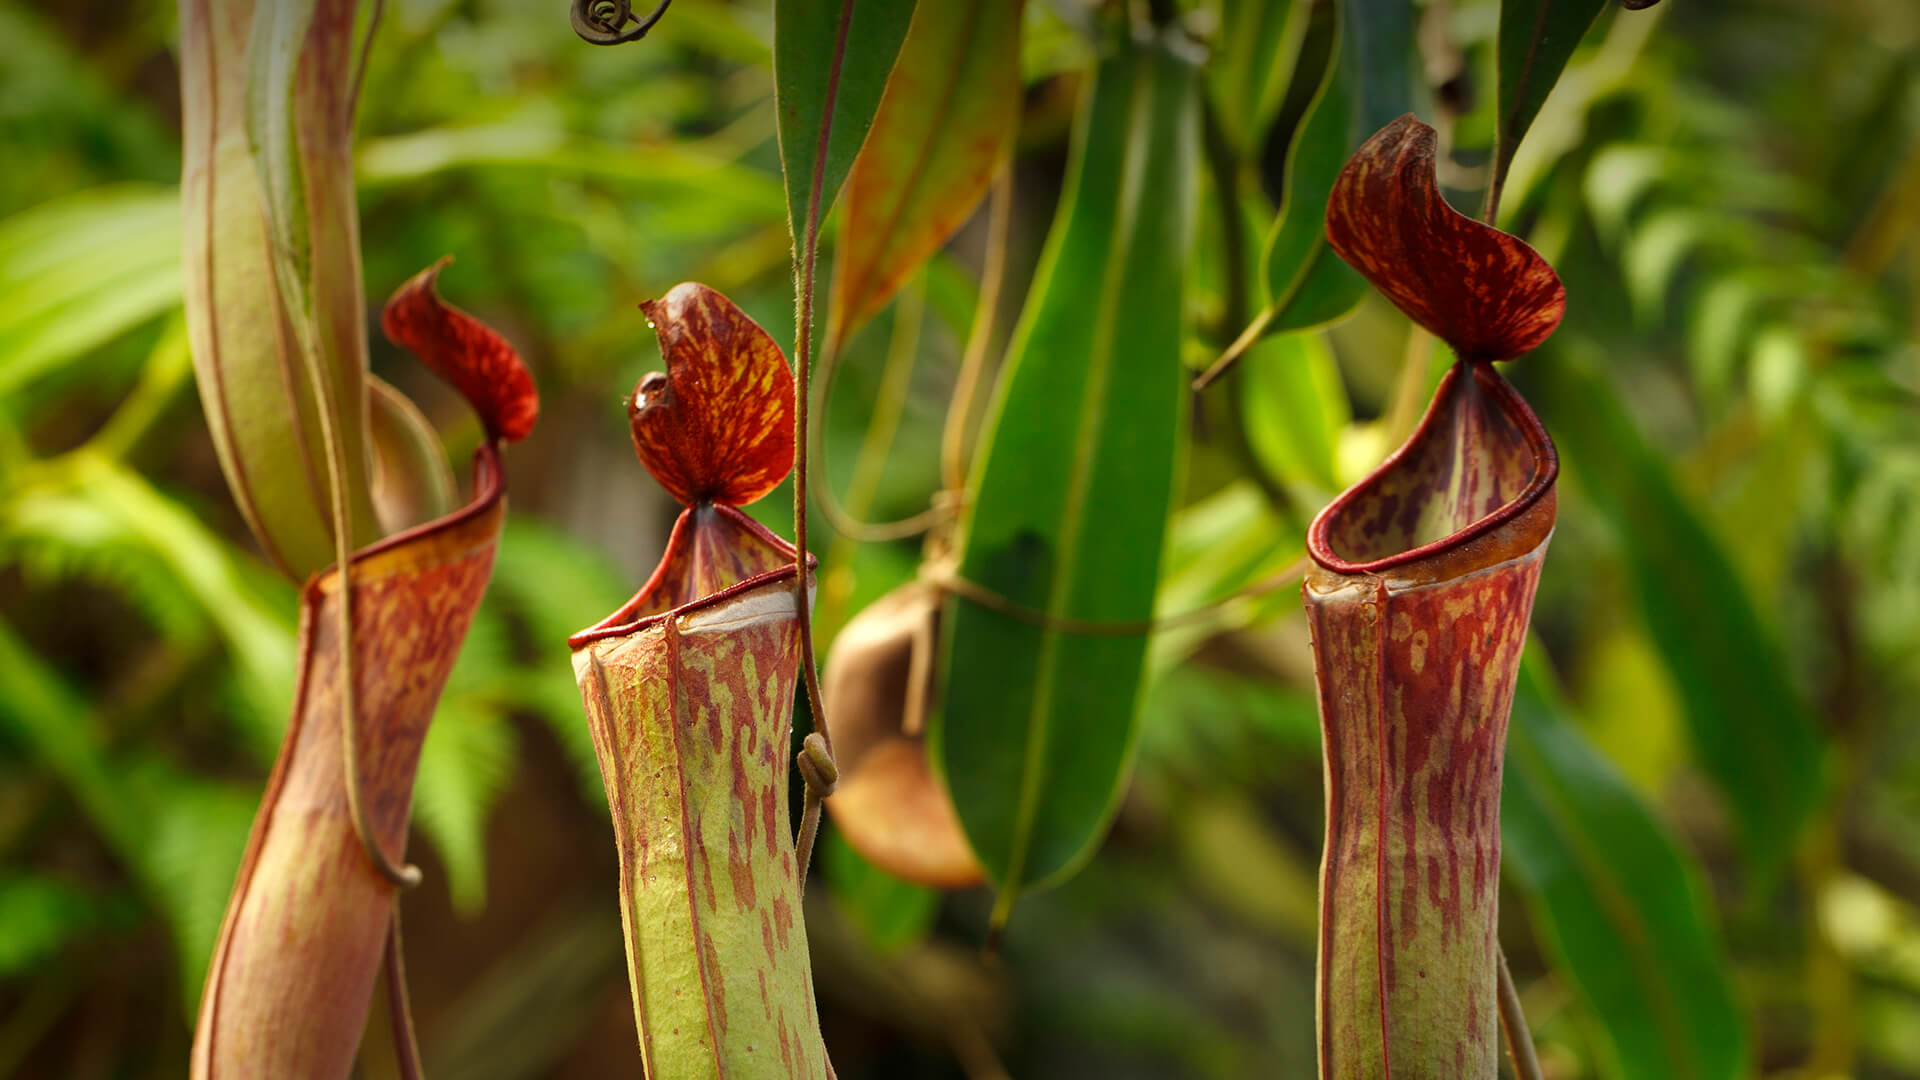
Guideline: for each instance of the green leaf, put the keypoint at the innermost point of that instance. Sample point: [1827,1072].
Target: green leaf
[1247,77]
[890,913]
[1748,725]
[1294,407]
[39,914]
[1070,497]
[1618,905]
[464,766]
[80,271]
[830,65]
[945,125]
[1364,88]
[1536,39]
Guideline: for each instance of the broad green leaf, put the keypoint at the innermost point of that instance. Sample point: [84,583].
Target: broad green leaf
[1748,725]
[1247,78]
[830,65]
[1294,407]
[1620,908]
[1072,486]
[80,271]
[891,914]
[1536,39]
[945,125]
[1364,88]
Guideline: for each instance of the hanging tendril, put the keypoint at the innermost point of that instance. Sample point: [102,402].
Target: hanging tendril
[604,22]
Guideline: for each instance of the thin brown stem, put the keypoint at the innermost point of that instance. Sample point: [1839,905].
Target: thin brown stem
[973,362]
[809,252]
[1526,1063]
[944,578]
[809,830]
[884,421]
[406,1046]
[1248,339]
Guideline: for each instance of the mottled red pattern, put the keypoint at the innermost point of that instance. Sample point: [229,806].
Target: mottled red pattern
[1478,458]
[464,351]
[1418,607]
[1416,682]
[718,426]
[1482,291]
[688,690]
[288,989]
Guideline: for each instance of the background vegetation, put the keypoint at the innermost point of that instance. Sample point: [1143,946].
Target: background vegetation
[1730,192]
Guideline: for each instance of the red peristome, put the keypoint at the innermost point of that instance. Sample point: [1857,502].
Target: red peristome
[718,426]
[1419,606]
[464,351]
[1482,291]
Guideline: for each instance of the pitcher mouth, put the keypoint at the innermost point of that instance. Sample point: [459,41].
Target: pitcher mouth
[1478,460]
[628,618]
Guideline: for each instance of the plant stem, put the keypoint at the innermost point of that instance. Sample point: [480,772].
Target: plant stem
[953,440]
[808,254]
[406,1046]
[1526,1064]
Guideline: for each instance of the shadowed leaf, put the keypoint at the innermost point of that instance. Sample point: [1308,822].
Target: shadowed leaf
[1619,906]
[1749,726]
[1072,488]
[1536,39]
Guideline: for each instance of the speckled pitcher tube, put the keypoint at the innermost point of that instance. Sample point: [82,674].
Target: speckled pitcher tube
[1417,644]
[689,690]
[1418,603]
[309,919]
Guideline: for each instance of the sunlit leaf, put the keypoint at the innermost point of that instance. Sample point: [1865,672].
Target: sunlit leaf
[1294,407]
[80,271]
[945,125]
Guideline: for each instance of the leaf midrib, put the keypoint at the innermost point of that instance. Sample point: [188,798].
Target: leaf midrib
[1073,516]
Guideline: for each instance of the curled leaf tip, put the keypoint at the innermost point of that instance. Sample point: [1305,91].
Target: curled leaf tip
[464,351]
[717,426]
[1482,291]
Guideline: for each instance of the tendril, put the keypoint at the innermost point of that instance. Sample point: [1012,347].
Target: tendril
[604,22]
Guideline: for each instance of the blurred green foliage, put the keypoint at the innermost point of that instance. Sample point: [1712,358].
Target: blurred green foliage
[1727,190]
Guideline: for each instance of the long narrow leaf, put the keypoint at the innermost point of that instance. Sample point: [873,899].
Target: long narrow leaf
[947,122]
[1750,728]
[1619,906]
[829,54]
[1070,499]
